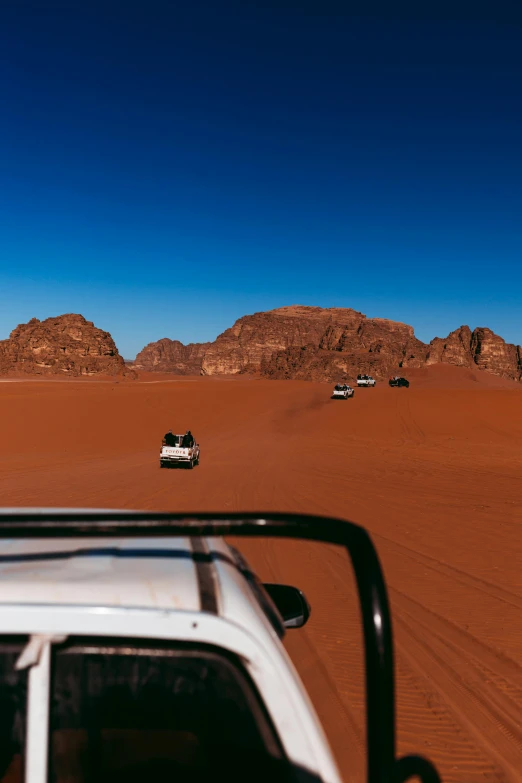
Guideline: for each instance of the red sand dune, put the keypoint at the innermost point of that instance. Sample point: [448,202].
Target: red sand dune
[434,472]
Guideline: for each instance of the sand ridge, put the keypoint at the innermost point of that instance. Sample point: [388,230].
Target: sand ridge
[432,471]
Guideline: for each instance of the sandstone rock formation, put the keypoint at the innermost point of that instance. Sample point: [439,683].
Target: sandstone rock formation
[350,343]
[253,338]
[490,352]
[328,344]
[453,349]
[171,356]
[309,363]
[481,348]
[67,345]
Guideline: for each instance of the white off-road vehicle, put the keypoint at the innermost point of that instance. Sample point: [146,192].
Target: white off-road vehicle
[139,646]
[365,380]
[342,391]
[177,454]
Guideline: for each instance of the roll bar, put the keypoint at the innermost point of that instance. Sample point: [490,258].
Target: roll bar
[382,764]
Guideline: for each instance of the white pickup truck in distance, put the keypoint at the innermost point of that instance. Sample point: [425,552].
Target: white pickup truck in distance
[342,391]
[172,456]
[365,380]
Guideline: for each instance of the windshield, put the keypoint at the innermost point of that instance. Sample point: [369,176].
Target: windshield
[123,713]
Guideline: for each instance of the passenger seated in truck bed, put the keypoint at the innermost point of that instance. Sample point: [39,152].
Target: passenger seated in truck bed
[170,439]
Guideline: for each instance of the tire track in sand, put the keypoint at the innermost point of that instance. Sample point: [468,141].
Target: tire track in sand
[457,676]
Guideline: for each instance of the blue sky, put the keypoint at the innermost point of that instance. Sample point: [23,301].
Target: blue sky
[168,167]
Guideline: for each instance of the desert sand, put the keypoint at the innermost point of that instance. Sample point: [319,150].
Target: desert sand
[435,474]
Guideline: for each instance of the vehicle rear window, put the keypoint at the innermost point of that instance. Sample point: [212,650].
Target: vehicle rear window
[175,715]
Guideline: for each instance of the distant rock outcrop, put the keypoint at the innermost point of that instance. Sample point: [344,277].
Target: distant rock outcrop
[350,343]
[67,345]
[255,338]
[493,354]
[329,344]
[481,348]
[453,349]
[309,363]
[172,356]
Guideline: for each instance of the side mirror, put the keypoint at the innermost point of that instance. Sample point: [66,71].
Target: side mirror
[291,604]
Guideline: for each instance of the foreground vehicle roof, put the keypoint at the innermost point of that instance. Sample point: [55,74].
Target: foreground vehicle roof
[220,591]
[172,574]
[123,572]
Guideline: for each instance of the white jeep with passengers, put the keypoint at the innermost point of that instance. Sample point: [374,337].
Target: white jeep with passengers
[365,380]
[139,646]
[342,391]
[177,450]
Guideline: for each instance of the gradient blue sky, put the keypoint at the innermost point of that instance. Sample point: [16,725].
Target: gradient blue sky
[166,167]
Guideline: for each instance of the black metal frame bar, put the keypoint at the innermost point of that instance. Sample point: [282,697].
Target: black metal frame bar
[383,766]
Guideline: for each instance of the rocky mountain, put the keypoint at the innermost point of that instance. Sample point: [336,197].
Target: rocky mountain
[295,342]
[255,338]
[453,349]
[490,352]
[481,348]
[348,346]
[327,344]
[67,345]
[392,346]
[172,356]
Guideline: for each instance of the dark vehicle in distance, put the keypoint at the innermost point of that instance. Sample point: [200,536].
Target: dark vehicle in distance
[397,381]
